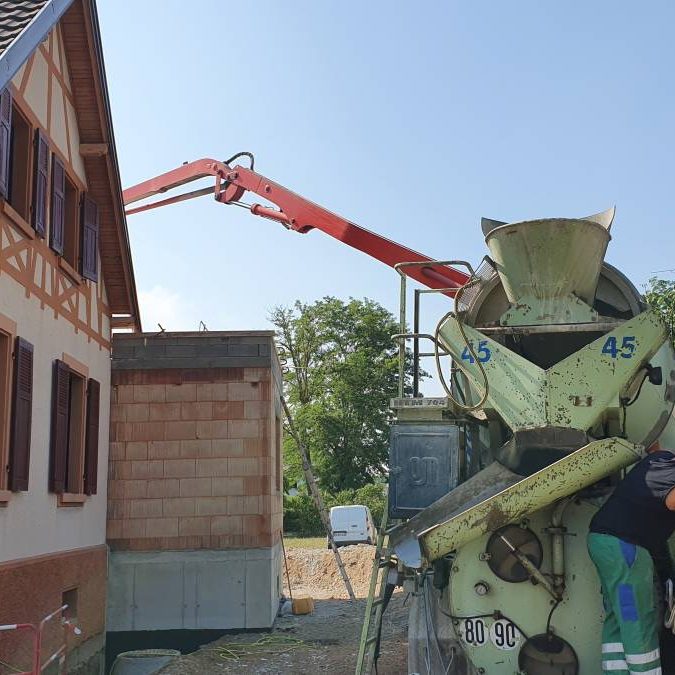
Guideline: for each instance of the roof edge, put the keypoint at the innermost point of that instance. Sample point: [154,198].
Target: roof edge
[30,37]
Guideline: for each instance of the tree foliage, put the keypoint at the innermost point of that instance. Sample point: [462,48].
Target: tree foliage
[660,295]
[342,372]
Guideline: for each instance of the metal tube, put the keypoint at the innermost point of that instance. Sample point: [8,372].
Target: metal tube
[416,346]
[557,532]
[401,343]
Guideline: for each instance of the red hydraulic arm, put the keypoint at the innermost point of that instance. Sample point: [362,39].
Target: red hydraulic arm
[294,212]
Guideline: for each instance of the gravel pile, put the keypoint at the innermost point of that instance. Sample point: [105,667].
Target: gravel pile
[315,572]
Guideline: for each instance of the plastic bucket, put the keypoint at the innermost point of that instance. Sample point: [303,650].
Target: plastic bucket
[143,661]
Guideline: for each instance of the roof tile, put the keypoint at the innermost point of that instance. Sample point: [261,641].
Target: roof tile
[15,15]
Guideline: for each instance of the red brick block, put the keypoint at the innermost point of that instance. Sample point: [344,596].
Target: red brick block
[256,447]
[149,393]
[178,431]
[117,509]
[220,391]
[120,470]
[243,505]
[120,431]
[114,529]
[147,431]
[117,451]
[211,506]
[212,467]
[183,506]
[163,449]
[137,412]
[150,469]
[204,391]
[181,392]
[163,487]
[115,488]
[254,525]
[145,508]
[228,487]
[256,485]
[118,413]
[162,527]
[135,489]
[228,410]
[195,526]
[202,410]
[244,467]
[136,450]
[256,374]
[212,429]
[193,449]
[195,487]
[243,391]
[227,447]
[226,525]
[179,468]
[125,393]
[254,410]
[133,529]
[164,411]
[245,428]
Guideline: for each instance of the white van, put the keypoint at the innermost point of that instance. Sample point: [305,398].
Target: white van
[352,525]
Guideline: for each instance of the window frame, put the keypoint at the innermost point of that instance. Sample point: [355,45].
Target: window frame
[74,494]
[26,210]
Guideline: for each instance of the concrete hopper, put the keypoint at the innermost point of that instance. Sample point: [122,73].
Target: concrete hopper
[549,268]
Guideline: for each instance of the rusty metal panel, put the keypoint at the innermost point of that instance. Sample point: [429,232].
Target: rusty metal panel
[424,465]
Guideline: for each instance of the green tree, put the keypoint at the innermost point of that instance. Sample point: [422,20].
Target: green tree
[342,372]
[660,295]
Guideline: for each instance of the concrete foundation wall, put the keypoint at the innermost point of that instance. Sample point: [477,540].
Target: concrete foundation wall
[171,590]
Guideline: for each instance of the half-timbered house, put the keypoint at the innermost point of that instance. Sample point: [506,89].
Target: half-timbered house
[66,279]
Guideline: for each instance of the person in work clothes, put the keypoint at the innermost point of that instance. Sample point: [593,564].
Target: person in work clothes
[628,535]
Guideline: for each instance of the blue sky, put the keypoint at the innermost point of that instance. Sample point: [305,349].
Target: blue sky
[411,119]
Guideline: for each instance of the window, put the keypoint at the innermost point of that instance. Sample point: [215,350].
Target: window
[74,433]
[69,598]
[20,164]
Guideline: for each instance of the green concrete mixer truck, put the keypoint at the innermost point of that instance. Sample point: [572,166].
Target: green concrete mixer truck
[558,379]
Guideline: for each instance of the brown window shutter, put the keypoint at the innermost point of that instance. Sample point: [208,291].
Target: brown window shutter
[91,437]
[41,182]
[58,456]
[22,410]
[5,139]
[89,260]
[58,205]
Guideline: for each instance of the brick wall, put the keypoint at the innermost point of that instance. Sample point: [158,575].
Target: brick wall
[193,453]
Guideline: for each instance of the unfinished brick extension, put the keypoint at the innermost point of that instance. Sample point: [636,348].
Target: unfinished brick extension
[195,461]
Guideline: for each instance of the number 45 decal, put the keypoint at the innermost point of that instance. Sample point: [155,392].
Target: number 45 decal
[483,352]
[626,350]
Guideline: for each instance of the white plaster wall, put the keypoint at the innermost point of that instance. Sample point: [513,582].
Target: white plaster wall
[32,524]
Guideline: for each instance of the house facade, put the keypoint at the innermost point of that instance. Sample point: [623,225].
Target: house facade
[66,279]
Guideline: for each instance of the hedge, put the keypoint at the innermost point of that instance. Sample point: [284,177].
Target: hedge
[301,517]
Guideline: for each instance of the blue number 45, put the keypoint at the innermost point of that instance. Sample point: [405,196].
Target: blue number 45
[483,353]
[626,350]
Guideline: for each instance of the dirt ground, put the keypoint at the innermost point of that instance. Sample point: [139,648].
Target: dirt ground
[326,641]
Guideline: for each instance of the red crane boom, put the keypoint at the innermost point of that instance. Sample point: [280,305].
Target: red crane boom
[294,212]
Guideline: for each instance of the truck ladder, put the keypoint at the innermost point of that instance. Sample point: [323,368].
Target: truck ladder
[316,495]
[372,620]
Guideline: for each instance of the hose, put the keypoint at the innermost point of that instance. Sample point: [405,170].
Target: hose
[473,280]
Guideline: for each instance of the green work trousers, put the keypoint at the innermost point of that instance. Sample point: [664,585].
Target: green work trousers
[630,635]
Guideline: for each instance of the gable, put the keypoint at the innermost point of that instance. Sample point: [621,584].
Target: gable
[66,62]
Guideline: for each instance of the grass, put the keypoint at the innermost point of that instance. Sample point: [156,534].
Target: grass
[305,542]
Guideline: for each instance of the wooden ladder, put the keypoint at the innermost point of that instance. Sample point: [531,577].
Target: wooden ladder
[316,495]
[372,620]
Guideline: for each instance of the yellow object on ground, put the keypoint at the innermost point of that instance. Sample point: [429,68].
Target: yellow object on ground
[303,605]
